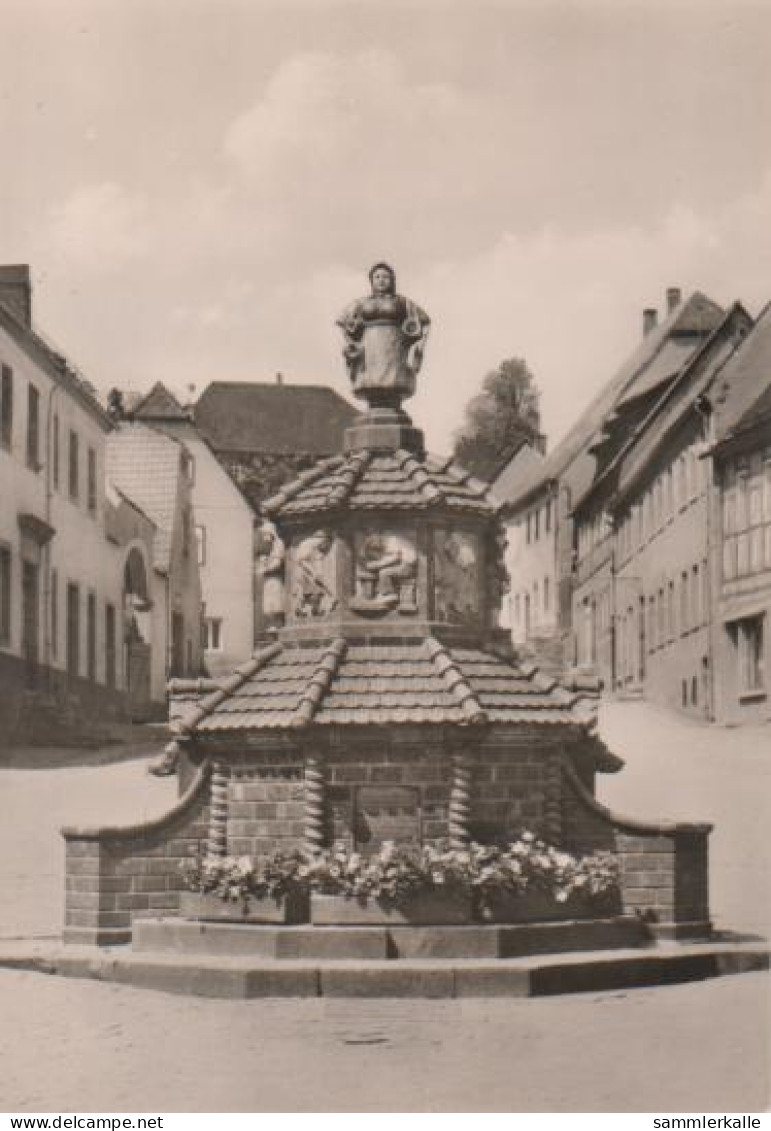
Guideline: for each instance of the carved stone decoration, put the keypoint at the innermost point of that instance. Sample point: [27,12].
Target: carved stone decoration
[269,573]
[387,813]
[386,573]
[457,587]
[314,583]
[384,339]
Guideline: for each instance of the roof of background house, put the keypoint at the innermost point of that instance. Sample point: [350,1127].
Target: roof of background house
[523,466]
[145,466]
[279,419]
[62,371]
[648,431]
[159,404]
[657,358]
[743,398]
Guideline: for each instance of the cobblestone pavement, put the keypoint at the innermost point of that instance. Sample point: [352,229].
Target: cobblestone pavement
[703,1046]
[82,1046]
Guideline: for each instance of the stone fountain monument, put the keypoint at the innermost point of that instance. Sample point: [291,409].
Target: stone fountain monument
[382,701]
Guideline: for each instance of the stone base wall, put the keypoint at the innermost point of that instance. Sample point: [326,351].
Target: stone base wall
[115,874]
[664,866]
[252,802]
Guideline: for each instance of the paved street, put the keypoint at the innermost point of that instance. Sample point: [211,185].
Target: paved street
[110,1048]
[106,1047]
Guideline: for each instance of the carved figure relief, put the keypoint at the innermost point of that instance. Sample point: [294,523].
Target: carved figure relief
[314,576]
[386,574]
[457,581]
[384,338]
[269,562]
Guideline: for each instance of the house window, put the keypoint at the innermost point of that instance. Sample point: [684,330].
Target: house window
[5,595]
[54,612]
[6,406]
[33,428]
[109,645]
[73,629]
[696,609]
[529,534]
[546,595]
[91,471]
[186,532]
[200,539]
[750,644]
[212,634]
[517,608]
[74,469]
[55,453]
[91,637]
[547,518]
[684,602]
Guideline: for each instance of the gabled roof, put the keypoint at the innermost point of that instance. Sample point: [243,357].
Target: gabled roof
[648,430]
[368,480]
[521,469]
[656,359]
[743,399]
[146,467]
[159,404]
[240,416]
[356,684]
[55,364]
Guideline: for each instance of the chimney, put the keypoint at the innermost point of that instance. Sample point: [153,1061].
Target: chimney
[279,378]
[650,318]
[16,291]
[674,298]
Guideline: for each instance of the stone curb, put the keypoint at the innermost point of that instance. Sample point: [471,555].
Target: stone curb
[536,976]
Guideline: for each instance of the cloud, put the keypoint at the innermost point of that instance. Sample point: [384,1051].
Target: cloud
[358,151]
[237,268]
[571,304]
[99,227]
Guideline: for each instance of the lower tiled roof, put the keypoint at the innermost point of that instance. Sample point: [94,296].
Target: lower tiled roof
[360,684]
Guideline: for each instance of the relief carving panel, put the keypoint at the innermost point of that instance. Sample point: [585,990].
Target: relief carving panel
[457,577]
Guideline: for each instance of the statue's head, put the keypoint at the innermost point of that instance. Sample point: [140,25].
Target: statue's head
[382,278]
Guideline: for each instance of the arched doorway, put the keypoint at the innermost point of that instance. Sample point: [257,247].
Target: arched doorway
[137,632]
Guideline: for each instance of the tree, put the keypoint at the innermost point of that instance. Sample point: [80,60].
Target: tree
[499,419]
[116,409]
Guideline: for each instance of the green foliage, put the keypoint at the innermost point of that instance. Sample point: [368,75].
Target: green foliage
[499,419]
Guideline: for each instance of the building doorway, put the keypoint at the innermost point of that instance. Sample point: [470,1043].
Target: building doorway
[30,618]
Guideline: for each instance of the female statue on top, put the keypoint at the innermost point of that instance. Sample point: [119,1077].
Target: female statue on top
[384,338]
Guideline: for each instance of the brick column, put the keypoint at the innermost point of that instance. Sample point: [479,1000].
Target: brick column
[313,816]
[552,805]
[460,801]
[217,842]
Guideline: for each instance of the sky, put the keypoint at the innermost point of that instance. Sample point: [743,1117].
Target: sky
[200,186]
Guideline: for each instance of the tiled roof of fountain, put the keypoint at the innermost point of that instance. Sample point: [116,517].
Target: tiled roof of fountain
[351,684]
[370,480]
